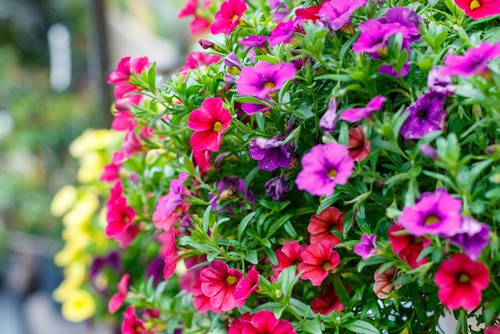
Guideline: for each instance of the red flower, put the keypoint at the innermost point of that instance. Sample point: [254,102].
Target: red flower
[228,17]
[219,283]
[209,123]
[383,282]
[407,246]
[288,255]
[318,260]
[310,13]
[478,9]
[264,322]
[327,302]
[461,282]
[118,299]
[247,285]
[321,226]
[131,324]
[358,146]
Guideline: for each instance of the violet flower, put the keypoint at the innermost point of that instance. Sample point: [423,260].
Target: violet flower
[439,83]
[407,18]
[475,60]
[374,37]
[264,78]
[253,108]
[230,187]
[255,41]
[429,151]
[357,114]
[436,213]
[336,14]
[427,115]
[232,60]
[324,167]
[471,237]
[277,187]
[366,248]
[329,120]
[271,153]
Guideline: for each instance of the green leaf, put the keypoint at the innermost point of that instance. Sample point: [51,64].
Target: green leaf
[361,327]
[287,279]
[244,222]
[303,112]
[252,257]
[491,310]
[314,326]
[341,290]
[205,223]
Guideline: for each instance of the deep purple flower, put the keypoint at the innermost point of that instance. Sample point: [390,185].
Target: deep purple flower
[324,167]
[439,83]
[230,187]
[112,260]
[427,115]
[264,78]
[375,36]
[336,14]
[406,17]
[232,60]
[357,114]
[436,213]
[366,248]
[475,61]
[256,41]
[253,108]
[282,33]
[329,119]
[155,270]
[277,187]
[472,237]
[271,153]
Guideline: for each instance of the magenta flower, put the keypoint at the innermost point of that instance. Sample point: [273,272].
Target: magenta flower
[475,61]
[170,207]
[461,282]
[228,16]
[436,213]
[336,14]
[199,23]
[375,36]
[427,115]
[219,283]
[439,83]
[255,41]
[357,114]
[405,17]
[264,78]
[131,324]
[198,59]
[118,299]
[264,322]
[324,167]
[120,217]
[280,10]
[329,120]
[246,286]
[209,123]
[318,261]
[271,153]
[366,248]
[200,301]
[288,255]
[478,9]
[471,237]
[253,108]
[282,33]
[127,65]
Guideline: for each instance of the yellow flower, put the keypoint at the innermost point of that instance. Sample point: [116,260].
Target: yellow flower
[69,254]
[91,167]
[63,200]
[93,140]
[75,274]
[79,305]
[82,211]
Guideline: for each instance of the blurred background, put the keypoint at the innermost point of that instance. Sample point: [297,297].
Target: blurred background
[55,57]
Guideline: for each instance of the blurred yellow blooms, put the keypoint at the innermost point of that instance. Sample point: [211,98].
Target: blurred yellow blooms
[83,211]
[63,200]
[91,167]
[93,140]
[78,306]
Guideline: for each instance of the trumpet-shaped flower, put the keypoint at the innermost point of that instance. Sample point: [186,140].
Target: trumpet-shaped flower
[471,237]
[358,145]
[219,282]
[264,322]
[322,225]
[366,248]
[357,114]
[318,261]
[271,153]
[406,246]
[228,16]
[264,78]
[477,9]
[336,14]
[288,255]
[209,123]
[427,115]
[171,206]
[327,302]
[475,61]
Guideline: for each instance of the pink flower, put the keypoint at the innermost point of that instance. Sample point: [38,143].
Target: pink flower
[264,79]
[169,252]
[493,329]
[118,299]
[318,261]
[473,62]
[357,114]
[246,286]
[288,255]
[171,206]
[383,282]
[327,301]
[200,301]
[127,66]
[209,123]
[198,59]
[264,322]
[219,283]
[461,282]
[478,9]
[131,324]
[406,246]
[199,23]
[202,159]
[236,326]
[120,217]
[321,226]
[228,17]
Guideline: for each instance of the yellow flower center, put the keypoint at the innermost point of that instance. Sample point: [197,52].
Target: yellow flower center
[332,173]
[235,17]
[464,278]
[217,127]
[269,85]
[474,4]
[327,265]
[430,220]
[230,280]
[382,52]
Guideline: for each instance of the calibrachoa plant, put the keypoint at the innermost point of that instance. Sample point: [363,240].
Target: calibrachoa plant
[320,167]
